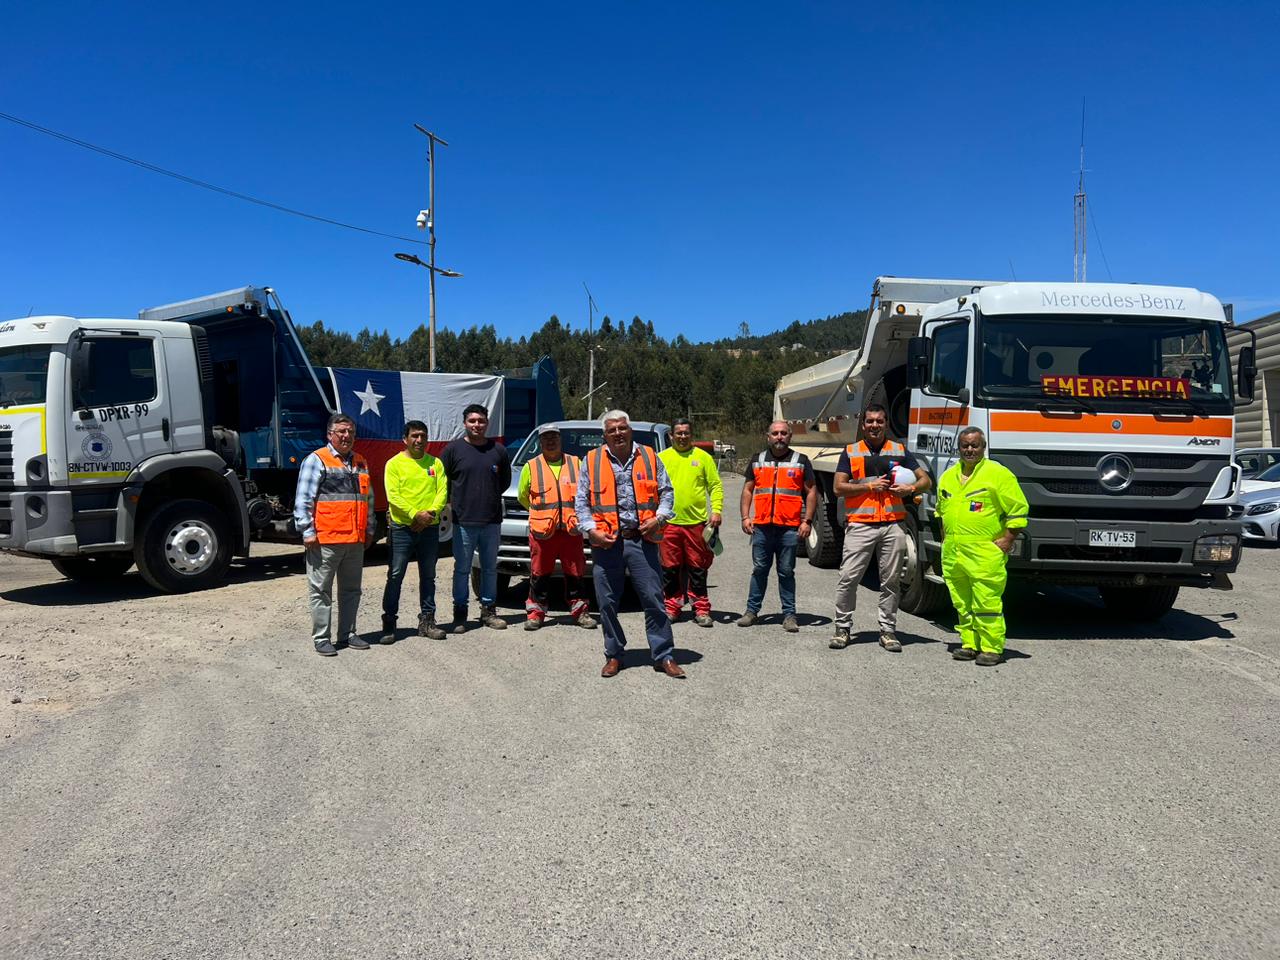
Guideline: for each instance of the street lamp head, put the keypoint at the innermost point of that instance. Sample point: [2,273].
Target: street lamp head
[424,219]
[410,258]
[447,273]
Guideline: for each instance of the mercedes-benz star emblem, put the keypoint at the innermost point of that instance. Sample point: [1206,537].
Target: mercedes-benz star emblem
[1115,472]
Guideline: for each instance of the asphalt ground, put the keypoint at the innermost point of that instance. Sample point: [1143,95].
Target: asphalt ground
[1107,792]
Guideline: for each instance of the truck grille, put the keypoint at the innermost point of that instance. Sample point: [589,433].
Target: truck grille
[6,458]
[1141,461]
[1090,488]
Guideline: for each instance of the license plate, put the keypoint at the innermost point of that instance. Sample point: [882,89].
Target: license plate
[1113,538]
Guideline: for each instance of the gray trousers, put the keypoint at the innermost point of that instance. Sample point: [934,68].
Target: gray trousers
[862,541]
[345,561]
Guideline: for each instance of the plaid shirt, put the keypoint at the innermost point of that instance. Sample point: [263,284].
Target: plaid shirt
[625,485]
[304,501]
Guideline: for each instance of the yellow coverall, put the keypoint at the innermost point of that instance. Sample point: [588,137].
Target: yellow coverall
[974,512]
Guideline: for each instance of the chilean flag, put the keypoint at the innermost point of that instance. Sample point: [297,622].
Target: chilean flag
[381,402]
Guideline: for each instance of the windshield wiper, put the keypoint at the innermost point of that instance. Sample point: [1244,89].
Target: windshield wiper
[1067,398]
[1197,408]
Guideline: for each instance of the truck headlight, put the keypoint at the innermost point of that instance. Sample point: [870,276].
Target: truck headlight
[1260,508]
[1217,549]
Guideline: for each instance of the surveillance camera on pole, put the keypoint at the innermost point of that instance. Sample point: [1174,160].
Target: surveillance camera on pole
[424,219]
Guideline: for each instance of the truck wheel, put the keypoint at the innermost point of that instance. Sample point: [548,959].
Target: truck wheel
[504,584]
[184,545]
[920,595]
[893,394]
[1139,604]
[824,542]
[94,567]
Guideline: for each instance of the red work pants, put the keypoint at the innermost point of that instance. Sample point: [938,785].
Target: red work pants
[543,554]
[685,560]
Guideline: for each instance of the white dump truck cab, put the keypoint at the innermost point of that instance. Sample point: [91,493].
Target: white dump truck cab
[102,420]
[1113,404]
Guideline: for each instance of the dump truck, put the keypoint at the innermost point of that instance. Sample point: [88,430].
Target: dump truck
[1112,404]
[172,441]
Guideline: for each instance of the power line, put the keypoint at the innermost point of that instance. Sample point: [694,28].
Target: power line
[204,184]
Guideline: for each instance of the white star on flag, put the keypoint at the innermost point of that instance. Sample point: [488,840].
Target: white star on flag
[369,399]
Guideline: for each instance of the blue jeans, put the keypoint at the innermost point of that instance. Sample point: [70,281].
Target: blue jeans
[610,569]
[406,545]
[466,541]
[767,542]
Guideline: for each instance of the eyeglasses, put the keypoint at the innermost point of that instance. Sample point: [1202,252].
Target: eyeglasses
[345,432]
[971,446]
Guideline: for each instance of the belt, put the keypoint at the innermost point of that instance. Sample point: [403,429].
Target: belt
[629,533]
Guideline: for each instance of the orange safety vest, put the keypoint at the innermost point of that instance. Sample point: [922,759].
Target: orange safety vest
[342,499]
[602,492]
[551,500]
[873,506]
[778,497]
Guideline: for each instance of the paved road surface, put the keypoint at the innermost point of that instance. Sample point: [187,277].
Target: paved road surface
[1105,793]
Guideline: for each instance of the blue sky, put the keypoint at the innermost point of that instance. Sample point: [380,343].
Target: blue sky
[700,165]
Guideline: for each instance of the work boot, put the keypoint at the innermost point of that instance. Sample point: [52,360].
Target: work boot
[704,620]
[789,623]
[840,640]
[489,618]
[459,619]
[388,630]
[964,653]
[533,623]
[427,627]
[985,659]
[326,649]
[586,622]
[748,619]
[356,643]
[890,642]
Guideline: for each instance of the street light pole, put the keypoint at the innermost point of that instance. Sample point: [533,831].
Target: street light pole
[430,225]
[591,350]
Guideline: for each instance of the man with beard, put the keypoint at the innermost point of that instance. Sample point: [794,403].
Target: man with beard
[872,477]
[779,501]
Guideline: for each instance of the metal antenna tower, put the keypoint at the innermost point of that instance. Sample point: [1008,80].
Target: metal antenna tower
[591,350]
[1082,222]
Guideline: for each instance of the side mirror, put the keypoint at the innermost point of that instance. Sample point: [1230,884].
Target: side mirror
[81,363]
[918,362]
[1246,373]
[962,396]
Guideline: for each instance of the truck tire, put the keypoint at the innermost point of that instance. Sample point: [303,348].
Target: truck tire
[892,393]
[920,596]
[824,542]
[94,567]
[1139,604]
[184,546]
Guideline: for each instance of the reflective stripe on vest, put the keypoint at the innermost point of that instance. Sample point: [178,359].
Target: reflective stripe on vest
[778,497]
[872,506]
[551,498]
[342,499]
[603,494]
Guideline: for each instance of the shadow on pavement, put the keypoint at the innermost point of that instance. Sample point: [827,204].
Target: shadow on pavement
[1009,652]
[1062,613]
[639,657]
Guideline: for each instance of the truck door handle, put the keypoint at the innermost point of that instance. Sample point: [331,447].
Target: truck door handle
[164,428]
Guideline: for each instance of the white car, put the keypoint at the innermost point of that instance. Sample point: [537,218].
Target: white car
[1256,460]
[578,437]
[1260,502]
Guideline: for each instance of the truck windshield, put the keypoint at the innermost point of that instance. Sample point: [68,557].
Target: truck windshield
[24,373]
[1110,363]
[578,441]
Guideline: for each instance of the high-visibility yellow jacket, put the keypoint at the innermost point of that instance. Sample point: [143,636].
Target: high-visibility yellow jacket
[982,506]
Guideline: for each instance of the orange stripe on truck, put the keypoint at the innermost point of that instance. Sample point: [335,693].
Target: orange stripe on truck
[1130,423]
[935,416]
